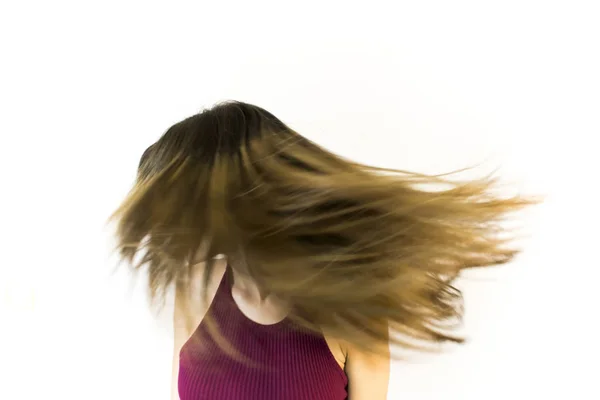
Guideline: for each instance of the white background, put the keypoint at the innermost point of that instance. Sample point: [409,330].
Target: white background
[86,86]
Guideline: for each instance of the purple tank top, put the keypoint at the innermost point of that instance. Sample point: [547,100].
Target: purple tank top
[288,364]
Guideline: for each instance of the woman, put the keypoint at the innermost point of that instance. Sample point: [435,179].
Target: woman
[295,269]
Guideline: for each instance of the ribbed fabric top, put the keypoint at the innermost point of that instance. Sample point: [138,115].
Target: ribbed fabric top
[288,364]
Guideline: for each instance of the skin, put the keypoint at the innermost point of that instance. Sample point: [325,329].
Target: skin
[368,375]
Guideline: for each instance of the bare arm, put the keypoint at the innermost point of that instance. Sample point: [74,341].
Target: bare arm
[368,375]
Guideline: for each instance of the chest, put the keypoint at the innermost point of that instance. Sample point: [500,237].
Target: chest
[294,367]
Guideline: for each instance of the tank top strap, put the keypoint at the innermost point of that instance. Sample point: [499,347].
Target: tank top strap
[225,286]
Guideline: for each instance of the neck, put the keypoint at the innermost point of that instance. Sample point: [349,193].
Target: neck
[244,283]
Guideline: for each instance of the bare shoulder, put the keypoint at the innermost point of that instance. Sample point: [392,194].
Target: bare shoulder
[338,351]
[368,374]
[187,317]
[194,307]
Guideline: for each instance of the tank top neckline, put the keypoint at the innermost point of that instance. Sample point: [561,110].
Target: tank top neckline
[290,362]
[227,290]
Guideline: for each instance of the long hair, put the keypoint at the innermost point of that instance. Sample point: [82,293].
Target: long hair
[365,254]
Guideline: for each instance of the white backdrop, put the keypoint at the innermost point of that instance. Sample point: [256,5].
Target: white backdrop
[429,86]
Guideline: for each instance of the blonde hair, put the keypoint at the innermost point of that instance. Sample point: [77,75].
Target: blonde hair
[353,248]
